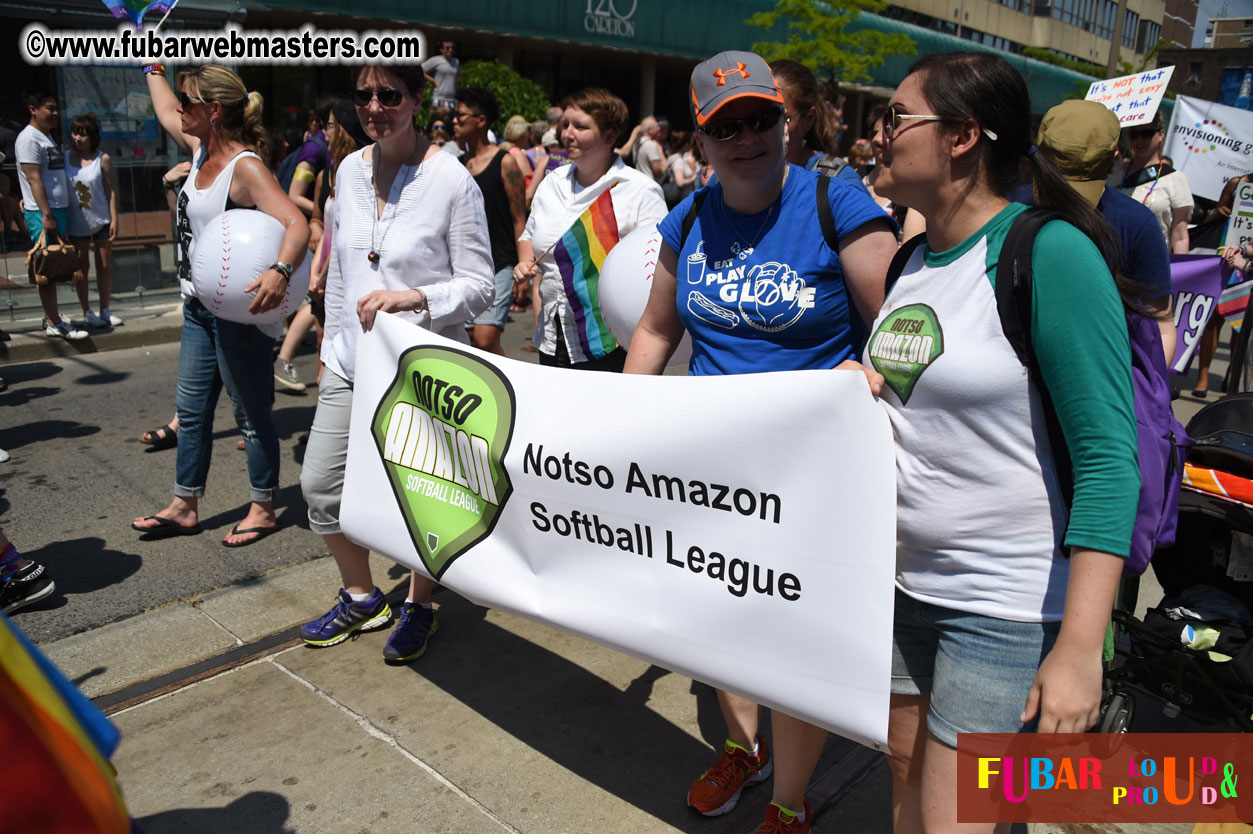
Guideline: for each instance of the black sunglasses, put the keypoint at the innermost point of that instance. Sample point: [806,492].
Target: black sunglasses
[387,97]
[759,122]
[1142,133]
[185,101]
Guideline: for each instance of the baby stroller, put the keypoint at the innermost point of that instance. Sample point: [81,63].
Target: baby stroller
[1192,653]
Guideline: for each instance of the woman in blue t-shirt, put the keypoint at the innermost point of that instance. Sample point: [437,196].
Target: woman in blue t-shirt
[755,283]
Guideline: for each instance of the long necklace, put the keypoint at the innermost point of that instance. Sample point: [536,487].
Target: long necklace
[744,251]
[376,248]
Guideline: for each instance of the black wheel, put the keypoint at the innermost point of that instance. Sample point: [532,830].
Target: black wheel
[1117,714]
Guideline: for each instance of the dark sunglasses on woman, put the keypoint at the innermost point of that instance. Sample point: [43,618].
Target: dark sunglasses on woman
[387,97]
[727,129]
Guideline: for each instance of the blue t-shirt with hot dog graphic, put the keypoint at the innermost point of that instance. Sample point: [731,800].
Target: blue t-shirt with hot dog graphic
[778,305]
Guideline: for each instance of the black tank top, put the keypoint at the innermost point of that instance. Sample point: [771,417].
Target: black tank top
[499,217]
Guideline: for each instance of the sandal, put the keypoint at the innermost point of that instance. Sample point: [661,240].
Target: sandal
[160,438]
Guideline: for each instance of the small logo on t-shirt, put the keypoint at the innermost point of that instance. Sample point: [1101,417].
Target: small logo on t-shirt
[904,345]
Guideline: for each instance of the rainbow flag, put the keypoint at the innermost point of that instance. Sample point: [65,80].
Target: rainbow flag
[134,10]
[1233,302]
[56,745]
[579,255]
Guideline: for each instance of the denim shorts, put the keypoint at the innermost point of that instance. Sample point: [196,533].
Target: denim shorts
[498,313]
[978,670]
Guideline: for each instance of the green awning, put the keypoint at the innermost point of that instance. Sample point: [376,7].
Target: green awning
[692,29]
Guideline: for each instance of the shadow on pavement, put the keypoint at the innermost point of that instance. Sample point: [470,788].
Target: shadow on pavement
[259,812]
[21,396]
[30,371]
[572,716]
[16,437]
[80,566]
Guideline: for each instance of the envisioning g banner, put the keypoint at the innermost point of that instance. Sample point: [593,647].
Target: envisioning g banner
[739,530]
[1210,143]
[1197,281]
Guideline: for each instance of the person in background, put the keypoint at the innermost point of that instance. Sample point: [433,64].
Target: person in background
[45,195]
[861,157]
[409,237]
[1153,183]
[592,121]
[442,70]
[312,160]
[761,211]
[93,212]
[22,582]
[810,128]
[500,179]
[680,177]
[1079,137]
[1219,217]
[650,158]
[517,140]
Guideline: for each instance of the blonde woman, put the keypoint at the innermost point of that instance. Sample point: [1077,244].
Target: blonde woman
[215,119]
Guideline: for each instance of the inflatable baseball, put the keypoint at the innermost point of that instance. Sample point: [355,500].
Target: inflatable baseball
[625,281]
[230,253]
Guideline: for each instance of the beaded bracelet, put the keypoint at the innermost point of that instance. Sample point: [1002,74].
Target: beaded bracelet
[159,69]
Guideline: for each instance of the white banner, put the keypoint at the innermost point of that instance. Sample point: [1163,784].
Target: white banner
[1210,143]
[739,530]
[1240,225]
[1132,98]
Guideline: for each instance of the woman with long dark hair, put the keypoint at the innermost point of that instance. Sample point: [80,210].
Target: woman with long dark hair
[1002,595]
[214,118]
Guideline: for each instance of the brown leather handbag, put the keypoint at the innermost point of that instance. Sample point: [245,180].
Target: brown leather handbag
[49,263]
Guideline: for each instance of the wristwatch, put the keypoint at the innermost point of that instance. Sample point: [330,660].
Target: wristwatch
[282,268]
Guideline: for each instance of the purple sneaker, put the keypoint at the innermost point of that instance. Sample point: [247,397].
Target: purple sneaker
[412,633]
[347,617]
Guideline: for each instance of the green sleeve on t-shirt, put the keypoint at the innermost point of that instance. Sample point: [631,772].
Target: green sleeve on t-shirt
[1079,336]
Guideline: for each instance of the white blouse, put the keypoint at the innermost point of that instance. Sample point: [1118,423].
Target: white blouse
[432,236]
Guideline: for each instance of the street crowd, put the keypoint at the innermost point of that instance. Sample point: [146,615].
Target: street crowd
[450,224]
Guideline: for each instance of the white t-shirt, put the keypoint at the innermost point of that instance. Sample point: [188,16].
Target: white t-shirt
[1162,197]
[34,147]
[558,202]
[648,152]
[432,236]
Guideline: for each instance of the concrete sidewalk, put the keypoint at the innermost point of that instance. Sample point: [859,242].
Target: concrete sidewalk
[505,725]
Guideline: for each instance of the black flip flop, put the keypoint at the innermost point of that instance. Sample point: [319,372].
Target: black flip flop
[163,437]
[166,528]
[261,532]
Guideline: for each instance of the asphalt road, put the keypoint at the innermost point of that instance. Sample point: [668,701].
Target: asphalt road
[79,476]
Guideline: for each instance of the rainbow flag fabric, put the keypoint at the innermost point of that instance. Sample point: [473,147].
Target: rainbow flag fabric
[56,746]
[579,255]
[134,10]
[1233,303]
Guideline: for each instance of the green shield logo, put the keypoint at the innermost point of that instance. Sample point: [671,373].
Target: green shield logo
[442,431]
[904,345]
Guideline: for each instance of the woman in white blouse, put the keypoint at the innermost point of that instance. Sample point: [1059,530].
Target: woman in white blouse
[409,237]
[1155,184]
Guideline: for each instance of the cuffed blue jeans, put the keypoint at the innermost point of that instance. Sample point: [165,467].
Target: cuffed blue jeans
[217,352]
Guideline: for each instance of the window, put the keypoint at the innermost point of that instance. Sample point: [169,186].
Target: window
[1149,34]
[1130,29]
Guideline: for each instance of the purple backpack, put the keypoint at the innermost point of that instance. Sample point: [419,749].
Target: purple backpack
[1162,443]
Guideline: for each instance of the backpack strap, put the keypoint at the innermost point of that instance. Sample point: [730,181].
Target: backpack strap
[902,256]
[825,220]
[689,219]
[1014,281]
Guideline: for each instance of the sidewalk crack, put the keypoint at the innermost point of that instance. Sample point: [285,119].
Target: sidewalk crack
[375,732]
[218,623]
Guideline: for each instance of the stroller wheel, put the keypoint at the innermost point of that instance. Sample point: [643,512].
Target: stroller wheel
[1117,714]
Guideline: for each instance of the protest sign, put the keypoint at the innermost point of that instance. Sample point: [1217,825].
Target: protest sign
[740,530]
[1240,224]
[1197,281]
[1210,143]
[1132,98]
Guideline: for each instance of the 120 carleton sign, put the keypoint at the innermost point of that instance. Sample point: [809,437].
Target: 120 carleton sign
[603,18]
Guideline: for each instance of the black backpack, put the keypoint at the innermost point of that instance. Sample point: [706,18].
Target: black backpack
[287,168]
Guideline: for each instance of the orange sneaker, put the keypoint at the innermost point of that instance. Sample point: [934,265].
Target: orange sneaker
[780,820]
[718,789]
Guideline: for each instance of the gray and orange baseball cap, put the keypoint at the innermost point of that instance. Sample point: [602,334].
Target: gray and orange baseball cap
[727,77]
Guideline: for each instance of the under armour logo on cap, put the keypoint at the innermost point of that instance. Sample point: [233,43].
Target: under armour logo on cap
[722,74]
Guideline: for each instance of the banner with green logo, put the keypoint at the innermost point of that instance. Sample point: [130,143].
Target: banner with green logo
[654,515]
